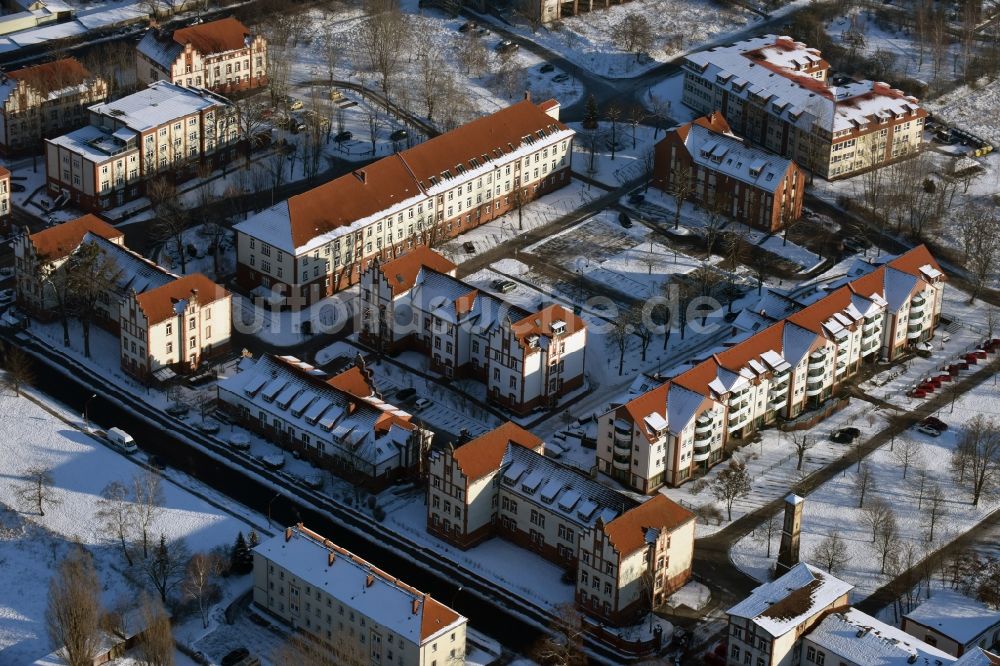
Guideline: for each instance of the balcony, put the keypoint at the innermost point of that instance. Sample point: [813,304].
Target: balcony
[779,390]
[701,453]
[841,369]
[623,447]
[737,396]
[618,464]
[814,388]
[743,420]
[623,427]
[738,412]
[870,325]
[914,331]
[817,360]
[816,372]
[702,436]
[778,402]
[703,425]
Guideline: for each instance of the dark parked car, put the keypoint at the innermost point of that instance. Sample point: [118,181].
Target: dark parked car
[235,657]
[546,68]
[156,462]
[405,393]
[560,78]
[466,27]
[624,220]
[399,135]
[17,187]
[343,136]
[636,198]
[845,435]
[936,423]
[469,247]
[177,409]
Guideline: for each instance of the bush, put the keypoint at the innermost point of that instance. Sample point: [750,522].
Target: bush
[372,501]
[379,513]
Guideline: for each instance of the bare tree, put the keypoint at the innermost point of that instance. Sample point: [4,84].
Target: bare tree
[73,612]
[976,459]
[992,321]
[682,186]
[864,482]
[432,72]
[92,274]
[203,570]
[18,368]
[148,494]
[249,123]
[116,516]
[620,331]
[639,329]
[562,644]
[55,281]
[382,38]
[874,514]
[935,509]
[156,646]
[767,530]
[730,484]
[802,444]
[37,488]
[374,125]
[831,553]
[887,537]
[165,566]
[633,34]
[472,55]
[330,47]
[301,650]
[660,109]
[907,454]
[614,115]
[980,232]
[172,219]
[636,115]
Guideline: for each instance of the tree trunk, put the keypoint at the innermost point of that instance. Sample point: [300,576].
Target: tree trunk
[85,325]
[65,327]
[128,558]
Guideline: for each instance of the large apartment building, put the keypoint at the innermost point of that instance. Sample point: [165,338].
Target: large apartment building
[44,100]
[155,131]
[526,359]
[784,368]
[4,194]
[340,422]
[166,324]
[319,242]
[626,555]
[357,613]
[775,92]
[223,56]
[748,184]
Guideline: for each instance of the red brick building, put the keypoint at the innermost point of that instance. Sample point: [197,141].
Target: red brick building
[748,184]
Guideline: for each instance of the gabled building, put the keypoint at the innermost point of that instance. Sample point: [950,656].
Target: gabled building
[852,638]
[354,611]
[765,628]
[779,371]
[321,241]
[340,423]
[626,555]
[775,92]
[978,657]
[748,184]
[157,131]
[45,100]
[954,622]
[223,56]
[527,360]
[166,324]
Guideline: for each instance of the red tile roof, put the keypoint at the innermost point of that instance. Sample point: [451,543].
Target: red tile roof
[641,406]
[51,76]
[61,240]
[226,34]
[402,271]
[540,323]
[159,304]
[4,173]
[912,261]
[737,356]
[813,316]
[352,381]
[436,616]
[352,197]
[627,532]
[483,455]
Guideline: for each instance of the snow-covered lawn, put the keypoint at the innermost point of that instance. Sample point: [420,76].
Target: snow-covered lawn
[200,238]
[665,97]
[833,507]
[31,545]
[971,108]
[632,159]
[588,41]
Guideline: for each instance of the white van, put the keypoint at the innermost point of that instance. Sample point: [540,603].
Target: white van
[122,440]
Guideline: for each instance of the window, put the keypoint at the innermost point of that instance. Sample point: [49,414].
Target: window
[192,324]
[170,329]
[192,343]
[170,347]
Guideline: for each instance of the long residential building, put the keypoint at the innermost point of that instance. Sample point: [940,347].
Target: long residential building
[223,56]
[748,184]
[784,368]
[626,555]
[320,242]
[954,622]
[159,130]
[167,324]
[340,422]
[526,359]
[356,613]
[775,92]
[45,100]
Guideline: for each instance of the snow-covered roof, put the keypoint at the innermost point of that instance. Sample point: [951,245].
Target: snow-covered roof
[397,607]
[865,641]
[761,67]
[952,614]
[978,657]
[785,603]
[301,396]
[159,104]
[160,48]
[96,144]
[729,155]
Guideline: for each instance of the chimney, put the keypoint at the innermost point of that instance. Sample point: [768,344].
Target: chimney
[360,175]
[527,95]
[369,580]
[288,534]
[416,606]
[330,557]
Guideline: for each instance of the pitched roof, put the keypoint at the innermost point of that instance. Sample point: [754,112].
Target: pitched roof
[402,271]
[226,34]
[52,76]
[978,657]
[61,240]
[352,380]
[955,615]
[483,455]
[866,641]
[4,172]
[628,532]
[540,323]
[360,585]
[167,301]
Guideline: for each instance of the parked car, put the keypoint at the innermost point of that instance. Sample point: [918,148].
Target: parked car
[17,187]
[482,32]
[314,481]
[274,460]
[177,409]
[560,78]
[399,135]
[546,68]
[235,657]
[624,220]
[157,462]
[636,198]
[469,247]
[405,393]
[506,46]
[935,423]
[842,436]
[467,26]
[293,104]
[927,430]
[121,440]
[239,441]
[505,286]
[7,296]
[207,427]
[420,403]
[341,137]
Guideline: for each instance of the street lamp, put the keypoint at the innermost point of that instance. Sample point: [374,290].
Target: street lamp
[276,496]
[86,411]
[455,596]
